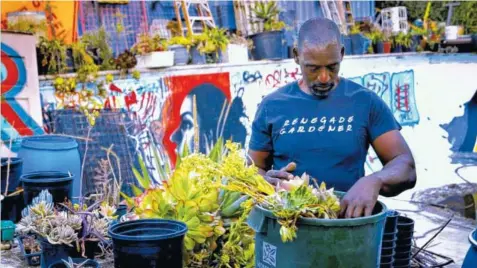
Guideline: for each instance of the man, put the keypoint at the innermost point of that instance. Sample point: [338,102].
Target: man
[323,125]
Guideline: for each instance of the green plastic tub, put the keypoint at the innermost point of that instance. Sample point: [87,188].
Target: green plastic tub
[323,243]
[8,230]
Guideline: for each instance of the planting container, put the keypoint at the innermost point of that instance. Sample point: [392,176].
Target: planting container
[197,57]
[52,253]
[402,262]
[391,222]
[57,183]
[33,259]
[386,265]
[319,242]
[387,258]
[181,55]
[236,54]
[389,236]
[87,263]
[470,260]
[268,45]
[156,59]
[52,153]
[8,230]
[387,251]
[389,243]
[148,243]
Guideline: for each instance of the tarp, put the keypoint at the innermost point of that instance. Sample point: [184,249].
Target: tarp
[63,15]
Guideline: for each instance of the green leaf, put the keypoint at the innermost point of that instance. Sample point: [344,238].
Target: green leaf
[161,170]
[136,191]
[128,199]
[145,174]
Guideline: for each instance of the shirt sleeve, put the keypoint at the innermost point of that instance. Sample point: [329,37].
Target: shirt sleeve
[381,118]
[261,138]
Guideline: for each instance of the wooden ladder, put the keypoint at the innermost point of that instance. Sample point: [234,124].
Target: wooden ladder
[203,11]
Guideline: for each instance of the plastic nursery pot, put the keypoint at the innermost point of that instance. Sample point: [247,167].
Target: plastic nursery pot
[32,258]
[386,258]
[148,243]
[402,243]
[403,255]
[8,230]
[404,234]
[53,253]
[387,251]
[386,265]
[405,262]
[86,263]
[405,224]
[59,184]
[391,222]
[389,243]
[389,236]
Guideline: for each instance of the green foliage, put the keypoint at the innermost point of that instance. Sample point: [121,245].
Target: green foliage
[466,15]
[27,26]
[416,9]
[54,55]
[99,40]
[268,13]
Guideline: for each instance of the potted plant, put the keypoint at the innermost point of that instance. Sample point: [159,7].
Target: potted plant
[97,46]
[376,36]
[52,57]
[268,44]
[208,46]
[359,42]
[401,42]
[180,45]
[237,49]
[26,25]
[150,52]
[124,62]
[30,249]
[75,263]
[417,35]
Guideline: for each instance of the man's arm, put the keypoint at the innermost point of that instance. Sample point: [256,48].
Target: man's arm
[263,161]
[399,171]
[397,175]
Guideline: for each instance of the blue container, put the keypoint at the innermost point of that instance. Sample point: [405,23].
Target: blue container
[379,47]
[360,44]
[470,260]
[15,173]
[197,57]
[57,183]
[348,45]
[33,259]
[337,243]
[181,55]
[52,153]
[268,45]
[397,49]
[85,262]
[148,243]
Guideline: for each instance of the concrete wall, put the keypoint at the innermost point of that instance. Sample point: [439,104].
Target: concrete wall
[20,104]
[429,94]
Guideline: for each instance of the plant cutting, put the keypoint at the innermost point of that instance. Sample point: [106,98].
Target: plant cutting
[269,43]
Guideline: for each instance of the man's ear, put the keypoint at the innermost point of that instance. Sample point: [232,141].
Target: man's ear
[295,56]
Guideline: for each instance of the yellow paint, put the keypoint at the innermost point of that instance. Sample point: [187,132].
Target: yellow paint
[63,15]
[475,146]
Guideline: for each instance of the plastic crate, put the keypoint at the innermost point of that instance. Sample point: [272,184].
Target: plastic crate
[33,259]
[8,230]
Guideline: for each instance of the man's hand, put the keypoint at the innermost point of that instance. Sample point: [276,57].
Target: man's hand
[361,198]
[274,176]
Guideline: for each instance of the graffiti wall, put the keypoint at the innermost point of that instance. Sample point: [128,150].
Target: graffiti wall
[425,92]
[20,103]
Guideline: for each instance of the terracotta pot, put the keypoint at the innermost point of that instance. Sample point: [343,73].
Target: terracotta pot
[387,47]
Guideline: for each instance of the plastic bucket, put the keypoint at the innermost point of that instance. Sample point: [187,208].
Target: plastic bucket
[470,260]
[268,45]
[52,153]
[319,242]
[181,55]
[86,263]
[148,243]
[57,183]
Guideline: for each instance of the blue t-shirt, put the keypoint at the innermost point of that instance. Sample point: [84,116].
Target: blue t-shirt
[327,138]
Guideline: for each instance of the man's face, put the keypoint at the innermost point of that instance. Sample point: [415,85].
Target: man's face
[320,67]
[184,135]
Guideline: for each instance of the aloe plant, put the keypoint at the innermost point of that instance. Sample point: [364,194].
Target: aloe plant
[267,13]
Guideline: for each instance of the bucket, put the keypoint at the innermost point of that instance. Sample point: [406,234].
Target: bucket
[181,55]
[268,45]
[148,243]
[348,45]
[52,153]
[197,57]
[470,260]
[57,183]
[359,43]
[319,242]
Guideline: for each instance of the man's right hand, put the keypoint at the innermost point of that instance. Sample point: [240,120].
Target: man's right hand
[274,176]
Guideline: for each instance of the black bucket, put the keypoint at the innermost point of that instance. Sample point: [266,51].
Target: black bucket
[268,45]
[59,184]
[51,253]
[148,243]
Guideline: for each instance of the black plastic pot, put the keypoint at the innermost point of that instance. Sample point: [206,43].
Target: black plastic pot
[397,49]
[403,255]
[53,253]
[388,243]
[403,244]
[386,265]
[389,236]
[392,215]
[387,251]
[148,243]
[33,259]
[379,49]
[87,263]
[404,235]
[12,207]
[268,45]
[386,258]
[405,224]
[59,184]
[398,262]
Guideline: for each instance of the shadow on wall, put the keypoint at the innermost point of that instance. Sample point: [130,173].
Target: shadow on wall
[462,132]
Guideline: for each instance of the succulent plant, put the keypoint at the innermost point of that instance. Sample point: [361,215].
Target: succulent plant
[63,234]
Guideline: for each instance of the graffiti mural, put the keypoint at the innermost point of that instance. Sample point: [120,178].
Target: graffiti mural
[16,120]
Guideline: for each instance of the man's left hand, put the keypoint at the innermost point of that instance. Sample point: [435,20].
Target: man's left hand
[361,198]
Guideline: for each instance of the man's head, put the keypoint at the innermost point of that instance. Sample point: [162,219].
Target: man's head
[319,53]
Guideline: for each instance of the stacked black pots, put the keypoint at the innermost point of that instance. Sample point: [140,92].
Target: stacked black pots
[403,254]
[389,239]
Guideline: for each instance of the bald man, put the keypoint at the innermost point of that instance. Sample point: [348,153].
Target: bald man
[324,124]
